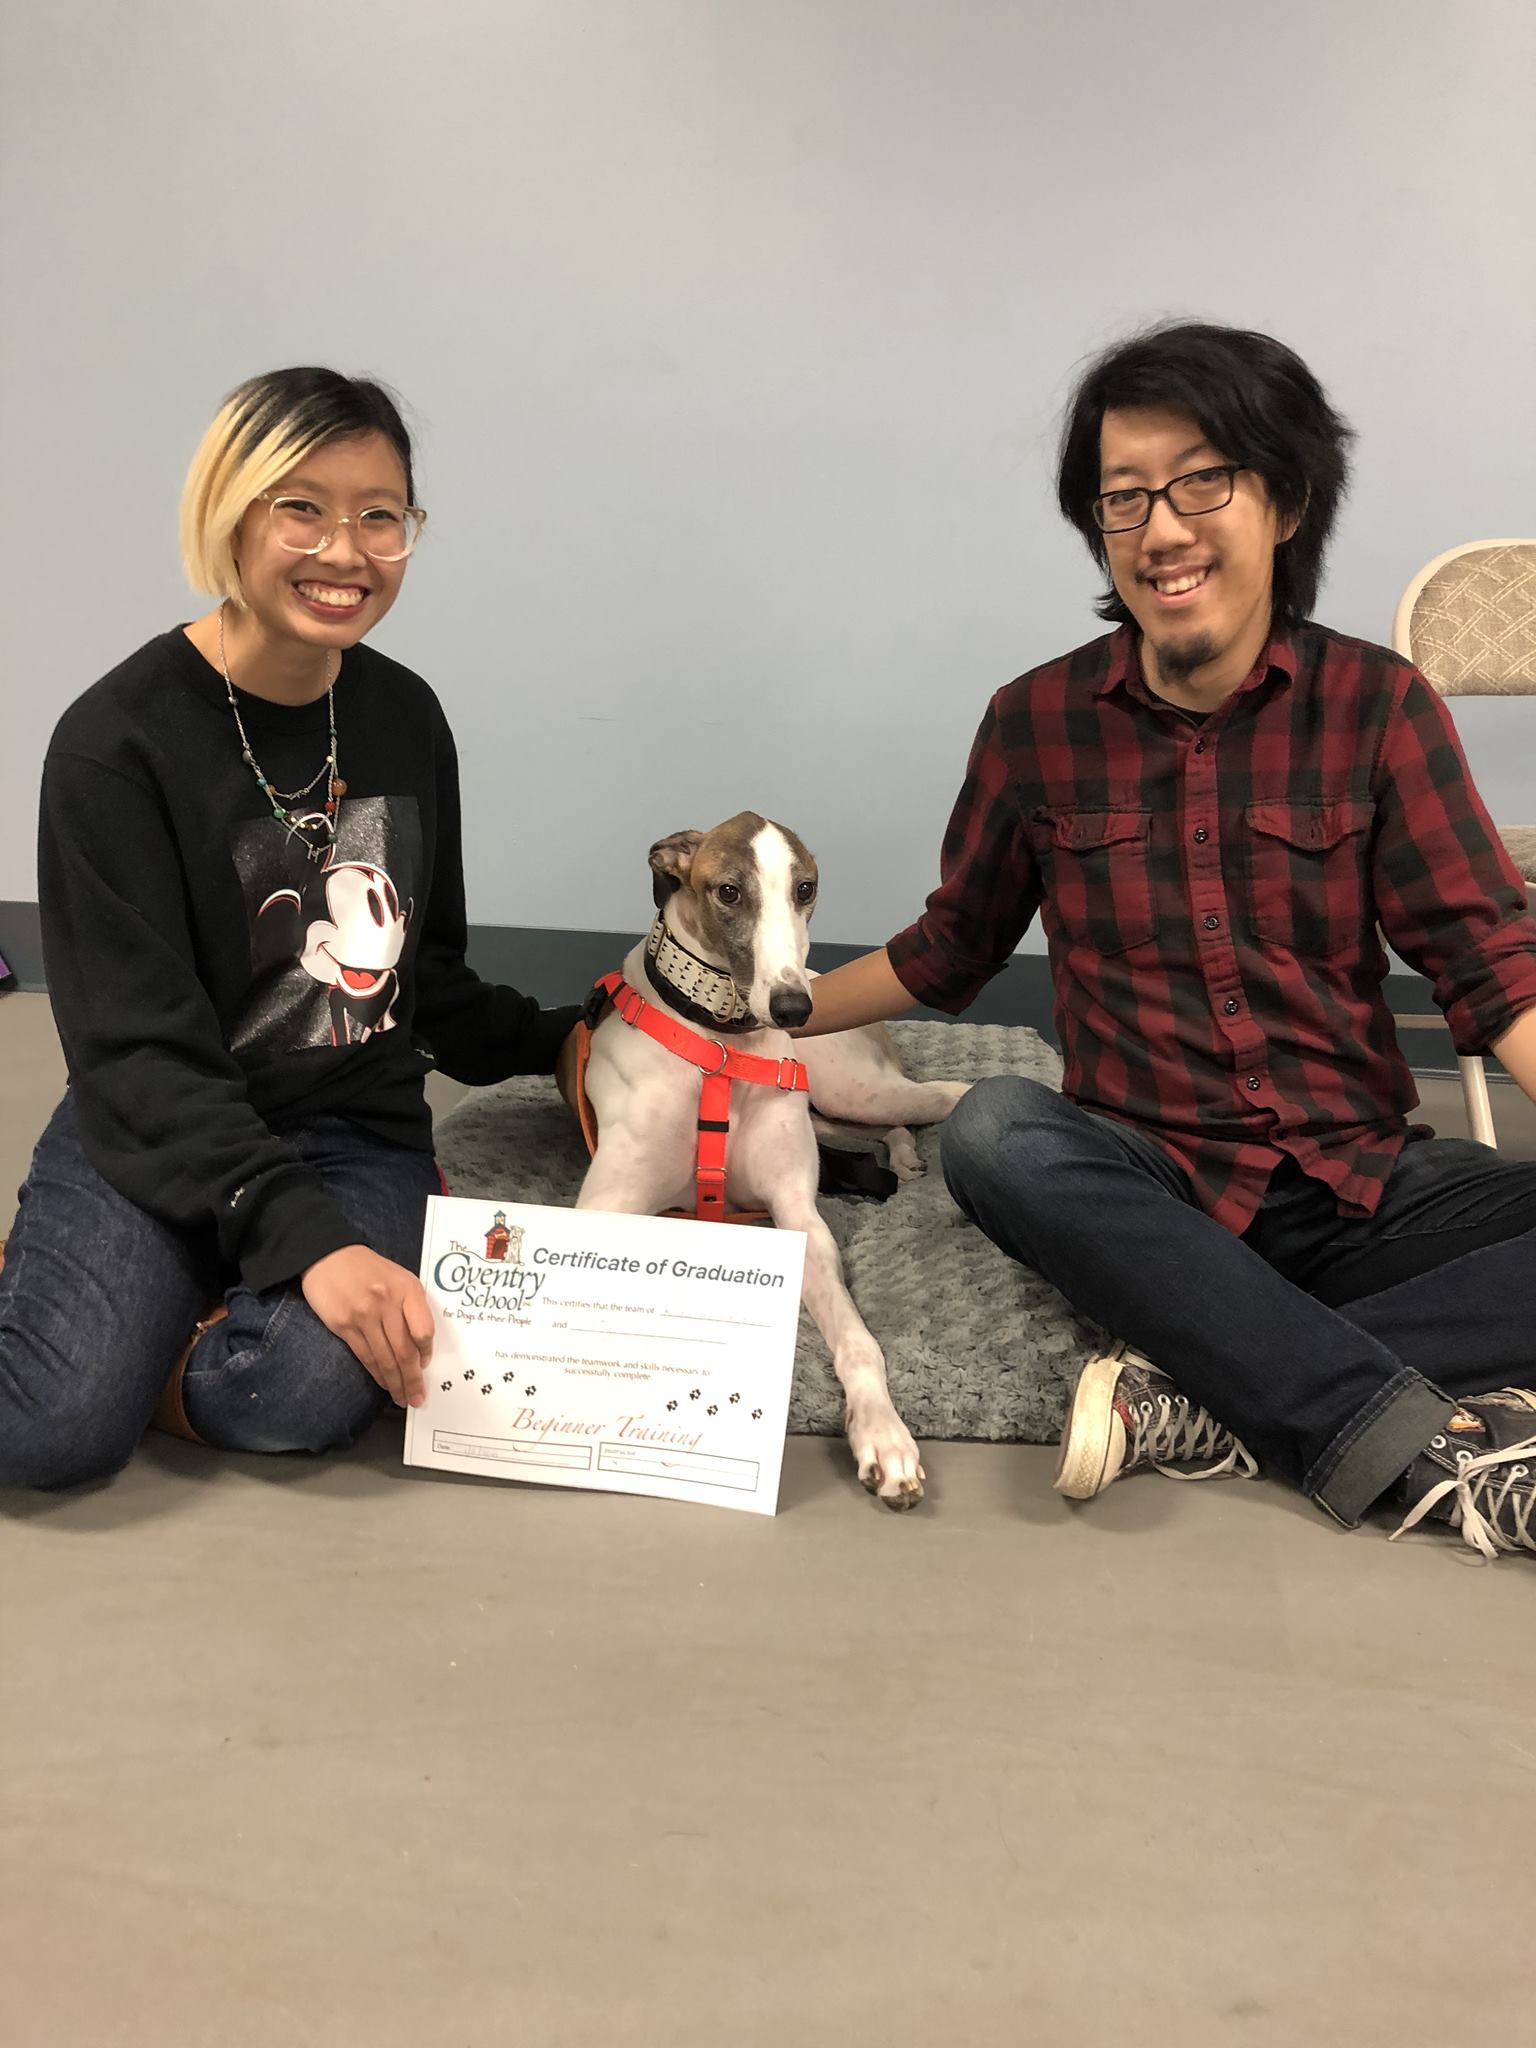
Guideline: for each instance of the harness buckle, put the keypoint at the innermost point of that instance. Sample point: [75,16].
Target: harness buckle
[795,1073]
[709,1073]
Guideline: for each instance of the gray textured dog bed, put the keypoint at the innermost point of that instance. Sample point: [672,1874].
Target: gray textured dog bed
[975,1346]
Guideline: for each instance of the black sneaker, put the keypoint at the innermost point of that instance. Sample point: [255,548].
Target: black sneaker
[1479,1474]
[1127,1413]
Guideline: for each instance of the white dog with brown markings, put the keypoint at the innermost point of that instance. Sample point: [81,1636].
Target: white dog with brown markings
[726,958]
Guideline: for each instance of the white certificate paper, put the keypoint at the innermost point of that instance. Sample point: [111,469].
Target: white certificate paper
[633,1354]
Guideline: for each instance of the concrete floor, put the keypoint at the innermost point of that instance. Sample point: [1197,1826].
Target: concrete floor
[336,1753]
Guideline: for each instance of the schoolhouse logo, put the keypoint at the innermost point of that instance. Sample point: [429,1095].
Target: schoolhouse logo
[495,1279]
[504,1241]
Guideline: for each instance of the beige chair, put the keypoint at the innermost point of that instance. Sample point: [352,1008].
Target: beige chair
[1467,621]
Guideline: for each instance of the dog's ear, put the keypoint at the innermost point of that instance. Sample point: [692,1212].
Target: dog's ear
[670,859]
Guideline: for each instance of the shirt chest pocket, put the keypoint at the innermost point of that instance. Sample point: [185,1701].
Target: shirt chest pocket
[1307,875]
[1099,876]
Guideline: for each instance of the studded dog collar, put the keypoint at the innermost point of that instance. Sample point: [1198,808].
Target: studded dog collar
[695,989]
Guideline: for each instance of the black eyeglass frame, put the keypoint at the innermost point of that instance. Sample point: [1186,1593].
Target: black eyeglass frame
[1231,469]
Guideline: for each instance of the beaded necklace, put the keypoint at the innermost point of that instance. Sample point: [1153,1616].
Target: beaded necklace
[307,826]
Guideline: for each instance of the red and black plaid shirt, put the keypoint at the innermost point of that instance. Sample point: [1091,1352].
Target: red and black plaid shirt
[1211,892]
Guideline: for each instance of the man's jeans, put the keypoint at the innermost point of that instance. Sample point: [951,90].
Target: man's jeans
[98,1300]
[1334,1347]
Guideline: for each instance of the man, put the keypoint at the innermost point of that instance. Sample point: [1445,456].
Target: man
[1218,809]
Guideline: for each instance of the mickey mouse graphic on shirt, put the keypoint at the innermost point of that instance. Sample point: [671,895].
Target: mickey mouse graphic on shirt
[331,942]
[354,932]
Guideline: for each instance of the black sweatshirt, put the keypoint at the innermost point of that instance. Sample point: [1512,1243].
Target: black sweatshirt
[213,984]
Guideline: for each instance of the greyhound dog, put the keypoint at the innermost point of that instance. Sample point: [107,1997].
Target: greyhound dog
[727,951]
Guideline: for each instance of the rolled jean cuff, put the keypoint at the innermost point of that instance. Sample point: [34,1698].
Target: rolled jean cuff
[1378,1446]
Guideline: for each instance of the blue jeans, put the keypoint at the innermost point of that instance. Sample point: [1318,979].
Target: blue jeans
[1335,1347]
[98,1299]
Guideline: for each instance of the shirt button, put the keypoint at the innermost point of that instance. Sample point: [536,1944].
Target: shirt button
[1253,1082]
[1231,1006]
[1199,746]
[1201,835]
[1211,923]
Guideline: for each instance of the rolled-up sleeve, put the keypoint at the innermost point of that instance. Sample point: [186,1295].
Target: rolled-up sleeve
[989,888]
[1449,897]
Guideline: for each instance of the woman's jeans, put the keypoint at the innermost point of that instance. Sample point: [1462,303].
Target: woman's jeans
[98,1300]
[1335,1347]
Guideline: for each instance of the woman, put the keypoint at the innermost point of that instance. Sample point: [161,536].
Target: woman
[252,899]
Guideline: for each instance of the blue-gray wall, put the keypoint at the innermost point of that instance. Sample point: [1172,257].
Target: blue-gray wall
[736,332]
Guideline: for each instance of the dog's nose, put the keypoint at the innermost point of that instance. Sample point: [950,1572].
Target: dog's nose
[789,1007]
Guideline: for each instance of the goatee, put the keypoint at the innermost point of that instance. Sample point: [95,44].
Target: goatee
[1178,661]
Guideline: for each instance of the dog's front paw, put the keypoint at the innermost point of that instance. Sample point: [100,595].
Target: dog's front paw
[887,1458]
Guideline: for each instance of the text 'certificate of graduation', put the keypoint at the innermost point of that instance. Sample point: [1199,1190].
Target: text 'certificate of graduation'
[633,1354]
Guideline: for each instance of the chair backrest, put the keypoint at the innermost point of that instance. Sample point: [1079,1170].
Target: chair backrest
[1468,620]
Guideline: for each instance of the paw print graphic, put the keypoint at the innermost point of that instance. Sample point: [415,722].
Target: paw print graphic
[670,1406]
[530,1390]
[469,1375]
[757,1414]
[486,1388]
[446,1385]
[712,1409]
[694,1395]
[734,1399]
[506,1379]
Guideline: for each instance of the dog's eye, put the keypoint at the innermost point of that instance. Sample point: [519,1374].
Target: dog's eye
[805,892]
[728,893]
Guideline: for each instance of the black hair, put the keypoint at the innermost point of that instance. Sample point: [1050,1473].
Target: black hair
[317,406]
[1252,398]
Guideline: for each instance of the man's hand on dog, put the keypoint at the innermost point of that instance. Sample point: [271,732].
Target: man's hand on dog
[380,1311]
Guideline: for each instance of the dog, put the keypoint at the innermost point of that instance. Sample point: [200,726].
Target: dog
[725,958]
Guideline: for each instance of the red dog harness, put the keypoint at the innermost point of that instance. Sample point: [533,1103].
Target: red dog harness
[720,1065]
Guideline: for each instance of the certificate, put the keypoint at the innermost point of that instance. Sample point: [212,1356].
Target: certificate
[631,1354]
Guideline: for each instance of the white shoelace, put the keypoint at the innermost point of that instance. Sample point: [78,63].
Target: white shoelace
[1480,1497]
[1177,1438]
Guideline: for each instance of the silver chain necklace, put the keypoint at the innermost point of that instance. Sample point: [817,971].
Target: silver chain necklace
[315,830]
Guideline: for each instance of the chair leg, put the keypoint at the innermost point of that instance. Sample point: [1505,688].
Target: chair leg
[1474,1088]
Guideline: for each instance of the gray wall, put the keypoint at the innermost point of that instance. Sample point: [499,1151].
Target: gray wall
[736,332]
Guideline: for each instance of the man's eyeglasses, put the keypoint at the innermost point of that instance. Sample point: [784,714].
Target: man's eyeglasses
[1197,491]
[304,527]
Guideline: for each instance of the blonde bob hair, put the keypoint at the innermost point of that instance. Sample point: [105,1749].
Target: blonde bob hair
[264,427]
